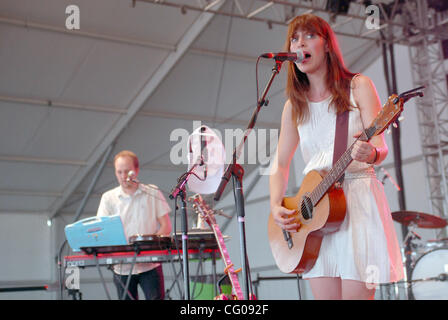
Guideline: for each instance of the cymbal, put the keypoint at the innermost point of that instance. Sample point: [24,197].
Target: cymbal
[421,220]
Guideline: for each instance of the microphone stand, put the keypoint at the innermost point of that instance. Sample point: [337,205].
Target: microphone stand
[236,171]
[180,190]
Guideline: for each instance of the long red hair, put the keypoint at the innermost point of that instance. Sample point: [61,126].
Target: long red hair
[338,76]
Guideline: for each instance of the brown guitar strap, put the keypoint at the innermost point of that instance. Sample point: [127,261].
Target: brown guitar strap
[340,137]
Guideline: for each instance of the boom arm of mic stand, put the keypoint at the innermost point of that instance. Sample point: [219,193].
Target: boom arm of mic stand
[262,102]
[181,182]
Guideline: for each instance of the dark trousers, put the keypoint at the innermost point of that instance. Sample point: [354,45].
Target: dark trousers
[151,282]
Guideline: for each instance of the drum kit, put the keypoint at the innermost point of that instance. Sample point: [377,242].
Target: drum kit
[429,259]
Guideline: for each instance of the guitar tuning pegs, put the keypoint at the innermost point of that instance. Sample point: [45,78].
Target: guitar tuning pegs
[395,125]
[401,118]
[388,131]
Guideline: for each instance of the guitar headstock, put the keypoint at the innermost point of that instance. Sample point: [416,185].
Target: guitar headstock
[388,114]
[203,209]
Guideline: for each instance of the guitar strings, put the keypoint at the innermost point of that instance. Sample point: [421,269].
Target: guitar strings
[322,187]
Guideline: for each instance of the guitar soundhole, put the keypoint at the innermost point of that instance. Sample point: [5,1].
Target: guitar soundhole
[306,208]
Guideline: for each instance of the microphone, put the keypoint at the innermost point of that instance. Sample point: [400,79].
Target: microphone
[130,177]
[144,187]
[298,56]
[387,175]
[416,235]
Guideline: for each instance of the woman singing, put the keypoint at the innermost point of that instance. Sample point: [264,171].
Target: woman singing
[365,250]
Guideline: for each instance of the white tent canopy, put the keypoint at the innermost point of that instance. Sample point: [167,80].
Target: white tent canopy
[130,77]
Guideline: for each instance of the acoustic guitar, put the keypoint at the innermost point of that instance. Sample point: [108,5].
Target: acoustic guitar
[320,204]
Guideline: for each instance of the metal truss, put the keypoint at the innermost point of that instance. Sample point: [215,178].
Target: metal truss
[428,69]
[349,22]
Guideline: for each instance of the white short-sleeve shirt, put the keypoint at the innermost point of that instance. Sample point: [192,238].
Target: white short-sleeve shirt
[139,213]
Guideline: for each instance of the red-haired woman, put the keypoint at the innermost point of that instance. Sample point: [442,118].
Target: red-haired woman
[365,250]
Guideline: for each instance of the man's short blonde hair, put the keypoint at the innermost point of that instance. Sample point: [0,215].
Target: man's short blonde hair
[130,154]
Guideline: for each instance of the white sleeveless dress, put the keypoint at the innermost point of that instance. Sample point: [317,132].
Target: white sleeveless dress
[365,248]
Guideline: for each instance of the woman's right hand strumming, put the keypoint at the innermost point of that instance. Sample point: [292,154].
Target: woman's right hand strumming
[285,218]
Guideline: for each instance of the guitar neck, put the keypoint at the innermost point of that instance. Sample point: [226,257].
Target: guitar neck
[228,263]
[338,169]
[332,176]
